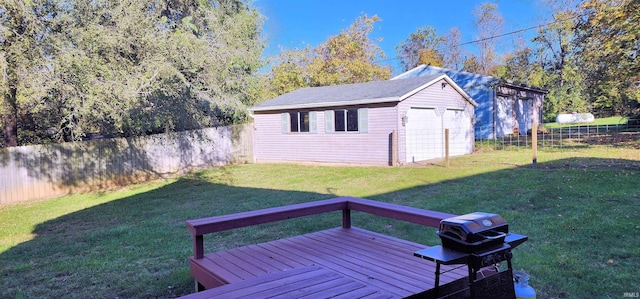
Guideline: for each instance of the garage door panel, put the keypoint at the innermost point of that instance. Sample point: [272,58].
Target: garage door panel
[460,132]
[424,135]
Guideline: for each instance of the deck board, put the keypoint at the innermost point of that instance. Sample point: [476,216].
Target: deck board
[390,245]
[393,266]
[384,265]
[350,259]
[304,282]
[359,249]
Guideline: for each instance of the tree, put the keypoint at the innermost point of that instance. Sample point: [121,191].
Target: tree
[517,67]
[453,55]
[422,47]
[555,42]
[25,27]
[488,23]
[348,57]
[555,58]
[290,71]
[520,67]
[136,67]
[608,39]
[471,65]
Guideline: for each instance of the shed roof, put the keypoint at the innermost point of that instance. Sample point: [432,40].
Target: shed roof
[355,94]
[465,79]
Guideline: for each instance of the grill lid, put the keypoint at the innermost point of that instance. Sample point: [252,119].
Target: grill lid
[473,223]
[473,232]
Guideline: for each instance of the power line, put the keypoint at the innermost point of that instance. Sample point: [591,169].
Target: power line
[500,35]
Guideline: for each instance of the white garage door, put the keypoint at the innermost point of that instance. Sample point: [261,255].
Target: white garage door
[424,135]
[460,133]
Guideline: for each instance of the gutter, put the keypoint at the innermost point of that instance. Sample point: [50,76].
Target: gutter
[325,104]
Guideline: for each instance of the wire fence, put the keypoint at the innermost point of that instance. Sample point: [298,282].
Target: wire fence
[576,147]
[605,146]
[570,137]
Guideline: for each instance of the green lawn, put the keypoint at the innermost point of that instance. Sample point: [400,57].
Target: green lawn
[614,120]
[580,208]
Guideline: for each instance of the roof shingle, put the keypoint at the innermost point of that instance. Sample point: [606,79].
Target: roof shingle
[382,91]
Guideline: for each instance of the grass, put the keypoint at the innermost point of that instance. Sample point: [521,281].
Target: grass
[580,208]
[614,120]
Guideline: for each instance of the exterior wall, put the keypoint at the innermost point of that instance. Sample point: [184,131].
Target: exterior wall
[370,148]
[374,147]
[433,96]
[478,87]
[527,108]
[493,118]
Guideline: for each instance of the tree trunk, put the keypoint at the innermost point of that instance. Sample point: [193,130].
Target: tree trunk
[10,128]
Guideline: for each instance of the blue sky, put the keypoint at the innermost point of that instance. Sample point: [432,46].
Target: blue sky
[295,23]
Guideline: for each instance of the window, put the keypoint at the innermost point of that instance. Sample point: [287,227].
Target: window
[347,120]
[299,122]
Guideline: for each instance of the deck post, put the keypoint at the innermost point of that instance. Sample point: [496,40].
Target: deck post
[346,218]
[198,246]
[199,287]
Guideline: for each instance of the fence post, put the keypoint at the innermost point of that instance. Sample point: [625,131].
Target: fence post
[446,146]
[534,144]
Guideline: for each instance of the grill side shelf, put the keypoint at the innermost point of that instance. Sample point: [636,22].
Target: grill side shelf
[443,255]
[514,239]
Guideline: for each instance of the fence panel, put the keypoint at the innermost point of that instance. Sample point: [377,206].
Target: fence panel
[41,171]
[566,143]
[561,143]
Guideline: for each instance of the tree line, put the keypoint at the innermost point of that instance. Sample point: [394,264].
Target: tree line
[73,68]
[586,56]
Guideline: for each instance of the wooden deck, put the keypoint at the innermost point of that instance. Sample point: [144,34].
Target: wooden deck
[380,261]
[345,261]
[304,282]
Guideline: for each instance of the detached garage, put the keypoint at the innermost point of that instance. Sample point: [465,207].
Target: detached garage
[503,108]
[373,123]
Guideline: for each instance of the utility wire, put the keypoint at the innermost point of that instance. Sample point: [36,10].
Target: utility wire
[501,35]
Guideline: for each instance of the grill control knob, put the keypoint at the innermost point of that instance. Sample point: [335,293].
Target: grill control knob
[488,260]
[508,255]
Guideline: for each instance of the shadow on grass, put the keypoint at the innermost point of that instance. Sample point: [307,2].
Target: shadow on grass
[582,223]
[136,247]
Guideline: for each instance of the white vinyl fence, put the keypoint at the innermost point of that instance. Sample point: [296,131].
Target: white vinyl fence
[42,171]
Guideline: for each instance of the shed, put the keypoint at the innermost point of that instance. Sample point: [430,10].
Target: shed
[504,108]
[372,123]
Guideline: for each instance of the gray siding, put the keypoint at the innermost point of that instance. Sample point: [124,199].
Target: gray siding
[370,148]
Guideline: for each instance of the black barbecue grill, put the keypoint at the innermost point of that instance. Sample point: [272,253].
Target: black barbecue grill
[477,240]
[475,232]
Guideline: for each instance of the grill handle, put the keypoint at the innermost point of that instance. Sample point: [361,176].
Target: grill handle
[498,236]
